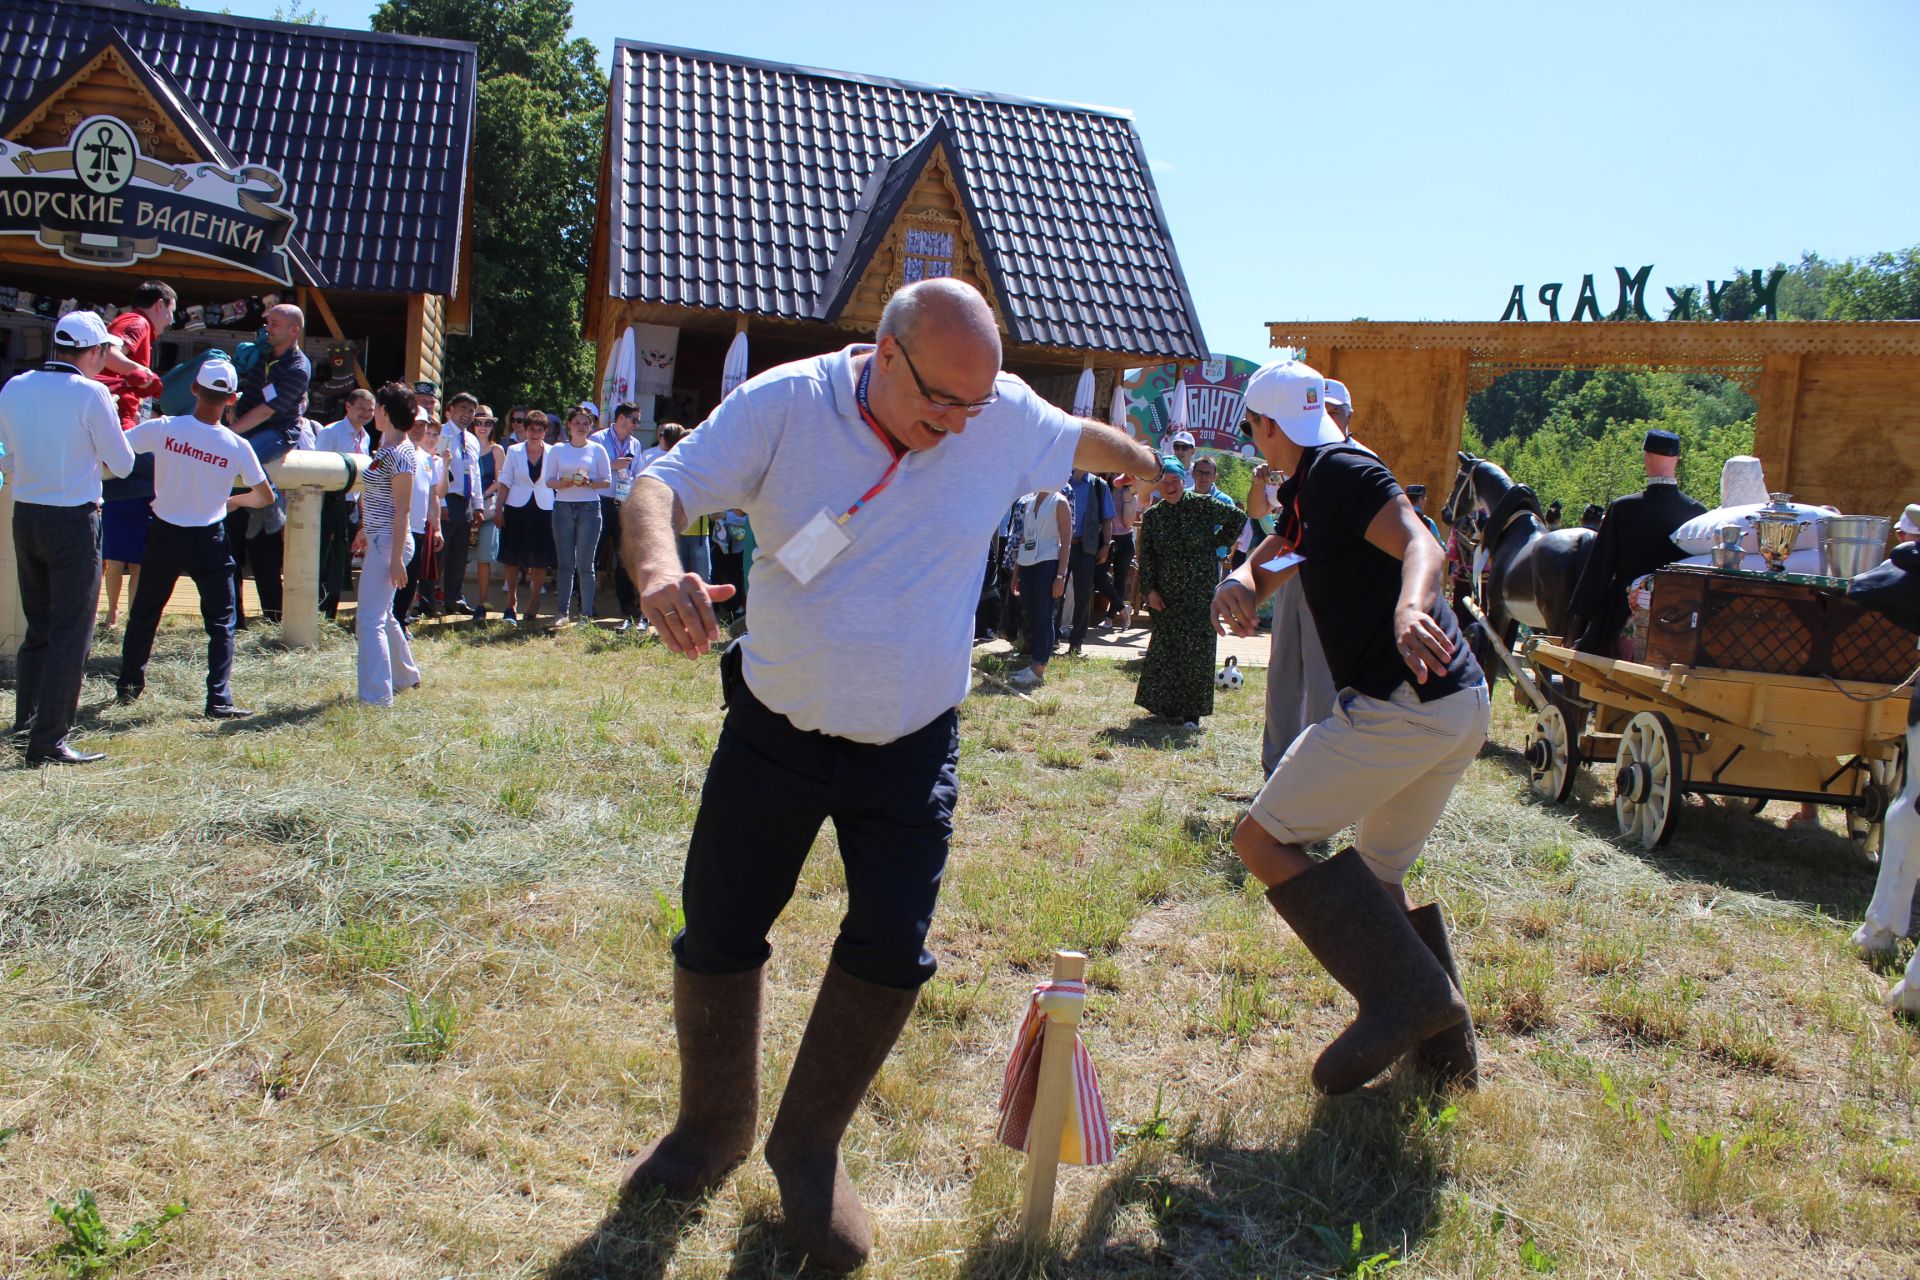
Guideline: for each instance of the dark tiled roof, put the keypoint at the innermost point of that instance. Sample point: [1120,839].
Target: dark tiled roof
[371,131]
[755,187]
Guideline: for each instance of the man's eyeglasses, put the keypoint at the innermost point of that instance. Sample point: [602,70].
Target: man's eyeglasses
[971,408]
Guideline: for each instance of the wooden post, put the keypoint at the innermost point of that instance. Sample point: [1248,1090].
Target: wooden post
[1050,1102]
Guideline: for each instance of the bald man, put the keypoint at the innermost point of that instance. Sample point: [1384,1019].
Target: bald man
[273,390]
[874,478]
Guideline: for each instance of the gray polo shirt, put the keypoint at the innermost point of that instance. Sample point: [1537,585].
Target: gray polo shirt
[880,641]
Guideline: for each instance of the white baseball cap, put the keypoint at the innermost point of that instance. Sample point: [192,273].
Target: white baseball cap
[83,329]
[420,414]
[1910,519]
[1179,438]
[218,375]
[1337,393]
[1294,396]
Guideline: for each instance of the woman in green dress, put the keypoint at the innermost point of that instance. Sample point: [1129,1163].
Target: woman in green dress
[1180,540]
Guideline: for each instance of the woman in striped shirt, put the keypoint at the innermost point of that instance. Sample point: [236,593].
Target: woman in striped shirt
[386,502]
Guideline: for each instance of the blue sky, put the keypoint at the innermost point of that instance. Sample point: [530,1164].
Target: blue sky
[1406,161]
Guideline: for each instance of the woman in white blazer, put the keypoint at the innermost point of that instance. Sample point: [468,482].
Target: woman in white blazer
[526,530]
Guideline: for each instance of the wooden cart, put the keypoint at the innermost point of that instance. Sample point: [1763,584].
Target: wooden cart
[1698,731]
[1755,686]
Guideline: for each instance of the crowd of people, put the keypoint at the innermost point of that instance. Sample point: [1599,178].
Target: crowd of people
[826,720]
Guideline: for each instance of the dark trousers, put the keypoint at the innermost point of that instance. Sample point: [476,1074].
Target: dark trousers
[607,556]
[1036,592]
[200,554]
[416,568]
[769,788]
[58,549]
[457,530]
[338,518]
[266,554]
[1116,575]
[237,550]
[1083,569]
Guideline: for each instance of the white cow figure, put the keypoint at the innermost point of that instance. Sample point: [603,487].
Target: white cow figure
[1889,915]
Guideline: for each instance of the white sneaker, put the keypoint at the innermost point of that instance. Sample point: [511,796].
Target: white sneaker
[1027,678]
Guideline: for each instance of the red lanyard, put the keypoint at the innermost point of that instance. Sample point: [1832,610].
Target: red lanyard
[897,452]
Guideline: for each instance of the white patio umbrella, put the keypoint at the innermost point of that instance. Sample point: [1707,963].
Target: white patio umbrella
[617,387]
[1177,410]
[1117,410]
[1083,395]
[735,371]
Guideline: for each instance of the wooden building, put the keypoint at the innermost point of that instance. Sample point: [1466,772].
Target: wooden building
[790,203]
[240,161]
[1838,402]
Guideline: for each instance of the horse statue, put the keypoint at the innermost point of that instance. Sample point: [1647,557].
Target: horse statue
[1530,570]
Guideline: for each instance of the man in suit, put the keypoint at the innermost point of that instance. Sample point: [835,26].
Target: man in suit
[1636,537]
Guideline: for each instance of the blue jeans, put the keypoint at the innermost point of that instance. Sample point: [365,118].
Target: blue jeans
[576,537]
[1036,590]
[696,554]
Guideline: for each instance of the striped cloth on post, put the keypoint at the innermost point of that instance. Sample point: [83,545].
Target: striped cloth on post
[1086,1138]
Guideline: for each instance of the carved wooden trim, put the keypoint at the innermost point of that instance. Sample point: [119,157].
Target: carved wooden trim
[1547,344]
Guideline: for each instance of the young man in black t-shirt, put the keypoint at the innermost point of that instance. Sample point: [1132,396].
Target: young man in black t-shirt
[1409,718]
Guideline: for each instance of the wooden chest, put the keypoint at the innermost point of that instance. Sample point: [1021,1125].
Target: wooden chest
[1702,617]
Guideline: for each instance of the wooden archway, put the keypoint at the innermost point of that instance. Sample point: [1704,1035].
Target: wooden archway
[1839,402]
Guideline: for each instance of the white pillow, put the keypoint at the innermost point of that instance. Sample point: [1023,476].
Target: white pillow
[1701,534]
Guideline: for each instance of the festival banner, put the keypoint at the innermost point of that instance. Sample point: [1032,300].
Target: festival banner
[98,202]
[1214,387]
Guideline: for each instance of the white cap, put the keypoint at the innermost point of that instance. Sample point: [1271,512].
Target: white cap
[1295,396]
[1742,482]
[1180,437]
[420,414]
[1910,519]
[83,329]
[1337,393]
[587,407]
[218,375]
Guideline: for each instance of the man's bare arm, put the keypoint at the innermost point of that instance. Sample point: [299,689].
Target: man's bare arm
[1103,448]
[679,605]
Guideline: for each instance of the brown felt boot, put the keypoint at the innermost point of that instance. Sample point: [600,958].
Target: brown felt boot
[1448,1056]
[1355,928]
[851,1032]
[717,1018]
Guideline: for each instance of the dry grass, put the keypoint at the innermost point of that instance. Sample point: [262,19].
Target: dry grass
[385,995]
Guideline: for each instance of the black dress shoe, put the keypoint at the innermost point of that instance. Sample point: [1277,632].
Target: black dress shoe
[64,754]
[226,711]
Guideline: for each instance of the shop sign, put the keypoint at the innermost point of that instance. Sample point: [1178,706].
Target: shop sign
[100,203]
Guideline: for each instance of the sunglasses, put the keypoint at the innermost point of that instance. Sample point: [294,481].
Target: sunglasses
[971,408]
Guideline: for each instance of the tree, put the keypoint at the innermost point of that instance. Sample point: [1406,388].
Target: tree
[1885,286]
[538,125]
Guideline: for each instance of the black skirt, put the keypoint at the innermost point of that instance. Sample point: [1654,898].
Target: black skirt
[526,537]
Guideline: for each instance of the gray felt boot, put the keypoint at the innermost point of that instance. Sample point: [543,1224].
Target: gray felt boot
[1353,926]
[1448,1056]
[850,1033]
[717,1017]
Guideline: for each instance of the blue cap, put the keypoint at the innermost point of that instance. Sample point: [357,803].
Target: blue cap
[1175,467]
[1664,443]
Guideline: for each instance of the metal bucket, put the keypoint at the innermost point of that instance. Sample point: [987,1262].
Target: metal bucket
[1851,545]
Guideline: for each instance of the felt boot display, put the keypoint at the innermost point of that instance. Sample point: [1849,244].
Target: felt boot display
[717,1018]
[1448,1056]
[850,1033]
[1354,928]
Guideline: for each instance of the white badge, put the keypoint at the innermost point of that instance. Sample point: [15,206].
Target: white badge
[813,548]
[1281,563]
[268,392]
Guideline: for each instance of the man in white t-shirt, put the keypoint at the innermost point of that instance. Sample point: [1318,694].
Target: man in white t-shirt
[196,462]
[874,477]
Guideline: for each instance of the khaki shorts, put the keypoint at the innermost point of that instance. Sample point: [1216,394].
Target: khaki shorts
[1383,765]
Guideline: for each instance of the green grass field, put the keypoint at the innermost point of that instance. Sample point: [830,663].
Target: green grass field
[380,994]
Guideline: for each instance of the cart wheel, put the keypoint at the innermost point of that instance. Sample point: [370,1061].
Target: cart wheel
[1647,789]
[1867,824]
[1551,766]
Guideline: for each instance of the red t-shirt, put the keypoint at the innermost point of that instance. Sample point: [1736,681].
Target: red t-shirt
[128,391]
